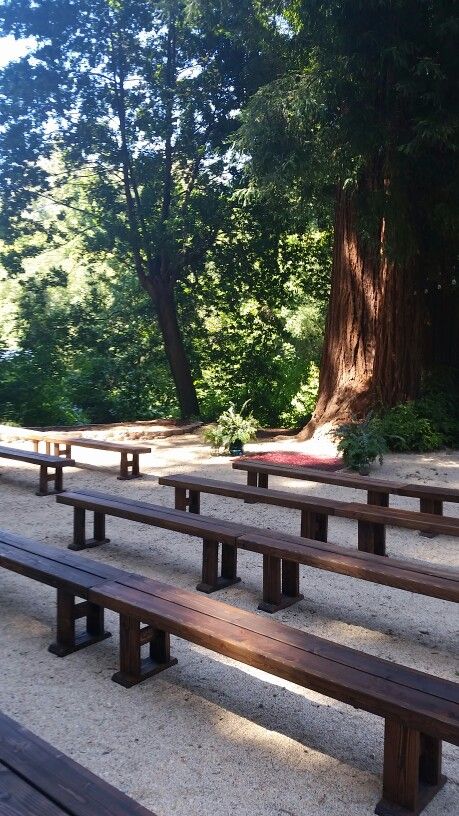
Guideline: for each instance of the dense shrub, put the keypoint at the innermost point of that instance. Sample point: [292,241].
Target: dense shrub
[426,424]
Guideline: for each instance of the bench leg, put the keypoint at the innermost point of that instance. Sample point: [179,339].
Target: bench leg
[281,584]
[80,542]
[290,583]
[45,478]
[272,586]
[435,508]
[252,481]
[194,502]
[372,538]
[58,480]
[43,481]
[134,668]
[181,501]
[412,770]
[63,449]
[129,469]
[68,612]
[314,525]
[211,580]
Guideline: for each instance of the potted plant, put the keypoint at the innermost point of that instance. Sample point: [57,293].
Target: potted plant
[231,431]
[361,443]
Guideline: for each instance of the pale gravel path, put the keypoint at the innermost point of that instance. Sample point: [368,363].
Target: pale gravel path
[210,736]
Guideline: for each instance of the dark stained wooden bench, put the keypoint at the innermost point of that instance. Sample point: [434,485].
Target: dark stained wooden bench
[72,576]
[282,554]
[372,521]
[45,463]
[62,446]
[431,497]
[38,780]
[419,710]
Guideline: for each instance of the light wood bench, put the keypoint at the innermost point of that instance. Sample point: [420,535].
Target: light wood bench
[431,497]
[282,554]
[72,576]
[45,463]
[419,710]
[38,780]
[130,452]
[372,521]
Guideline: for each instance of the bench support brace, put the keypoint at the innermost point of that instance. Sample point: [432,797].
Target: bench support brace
[45,478]
[68,612]
[129,468]
[134,668]
[211,580]
[412,770]
[281,584]
[80,542]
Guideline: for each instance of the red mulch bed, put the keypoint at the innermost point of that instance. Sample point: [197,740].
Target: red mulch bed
[297,460]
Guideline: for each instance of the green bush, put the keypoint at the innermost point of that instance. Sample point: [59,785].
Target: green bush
[405,429]
[428,423]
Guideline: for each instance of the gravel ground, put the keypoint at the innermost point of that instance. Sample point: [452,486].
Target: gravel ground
[211,736]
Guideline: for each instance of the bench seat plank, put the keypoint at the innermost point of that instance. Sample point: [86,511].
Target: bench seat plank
[410,519]
[398,517]
[34,458]
[355,481]
[412,576]
[60,556]
[325,667]
[66,785]
[165,517]
[295,501]
[100,444]
[18,798]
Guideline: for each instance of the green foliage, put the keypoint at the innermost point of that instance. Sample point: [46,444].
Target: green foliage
[303,403]
[232,426]
[405,429]
[360,443]
[428,423]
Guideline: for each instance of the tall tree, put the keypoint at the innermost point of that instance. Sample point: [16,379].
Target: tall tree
[368,111]
[141,98]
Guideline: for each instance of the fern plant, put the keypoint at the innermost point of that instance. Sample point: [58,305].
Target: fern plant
[231,430]
[361,443]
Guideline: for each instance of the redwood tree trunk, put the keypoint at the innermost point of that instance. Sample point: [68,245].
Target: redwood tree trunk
[373,349]
[163,299]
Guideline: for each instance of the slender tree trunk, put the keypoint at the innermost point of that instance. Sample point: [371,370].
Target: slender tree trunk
[163,299]
[373,351]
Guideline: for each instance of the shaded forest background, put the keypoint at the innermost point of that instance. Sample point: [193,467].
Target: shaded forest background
[204,204]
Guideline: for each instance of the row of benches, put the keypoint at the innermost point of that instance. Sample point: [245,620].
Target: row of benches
[282,553]
[431,497]
[62,457]
[419,710]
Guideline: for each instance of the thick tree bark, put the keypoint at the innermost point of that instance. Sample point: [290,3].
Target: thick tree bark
[373,351]
[162,295]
